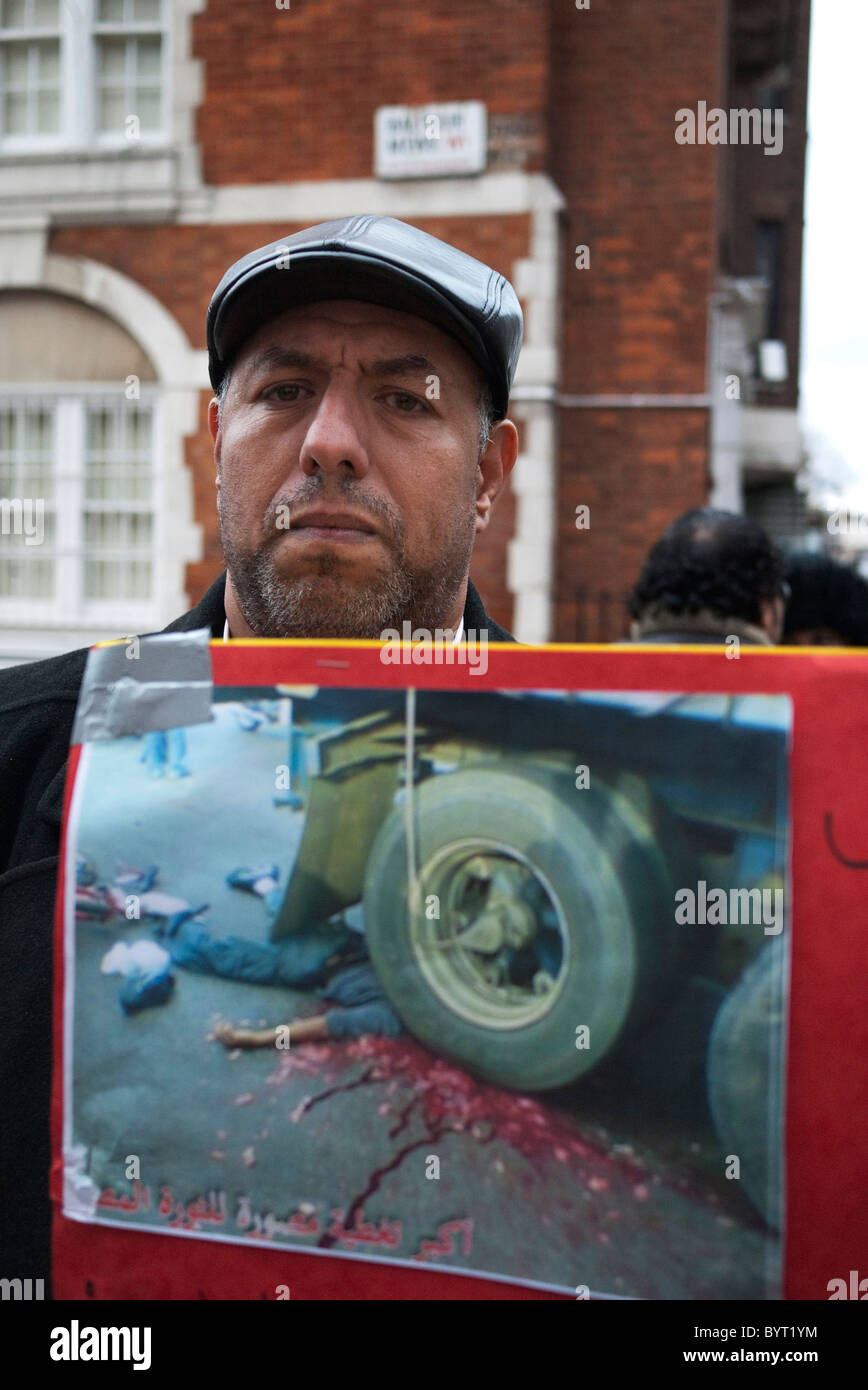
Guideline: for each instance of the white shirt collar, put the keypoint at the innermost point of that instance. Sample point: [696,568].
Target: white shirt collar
[227,635]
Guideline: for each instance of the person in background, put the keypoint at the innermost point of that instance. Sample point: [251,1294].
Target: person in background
[711,576]
[828,606]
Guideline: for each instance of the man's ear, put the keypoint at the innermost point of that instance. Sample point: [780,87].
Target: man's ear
[214,418]
[494,467]
[772,612]
[214,428]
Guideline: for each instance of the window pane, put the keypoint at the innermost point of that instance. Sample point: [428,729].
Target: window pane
[145,11]
[15,63]
[124,532]
[119,466]
[110,11]
[35,430]
[148,57]
[8,430]
[99,579]
[23,575]
[47,112]
[40,580]
[96,483]
[15,14]
[138,434]
[112,57]
[112,111]
[141,530]
[46,13]
[101,430]
[45,431]
[32,433]
[149,107]
[140,579]
[15,114]
[9,571]
[37,481]
[117,579]
[48,62]
[36,470]
[10,576]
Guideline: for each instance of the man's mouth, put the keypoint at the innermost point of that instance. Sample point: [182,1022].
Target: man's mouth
[336,527]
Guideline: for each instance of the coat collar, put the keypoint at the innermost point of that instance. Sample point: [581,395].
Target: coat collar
[702,627]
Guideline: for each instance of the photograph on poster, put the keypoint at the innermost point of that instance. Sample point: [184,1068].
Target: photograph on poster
[495,981]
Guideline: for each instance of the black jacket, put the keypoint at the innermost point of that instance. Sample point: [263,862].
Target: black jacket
[37,706]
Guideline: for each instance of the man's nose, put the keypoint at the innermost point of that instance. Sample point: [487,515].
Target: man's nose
[333,442]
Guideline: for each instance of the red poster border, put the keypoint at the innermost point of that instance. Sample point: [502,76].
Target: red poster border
[827,1076]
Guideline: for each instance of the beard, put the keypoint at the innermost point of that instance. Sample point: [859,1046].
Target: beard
[328,600]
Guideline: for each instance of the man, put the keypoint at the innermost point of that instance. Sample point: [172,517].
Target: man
[712,575]
[828,604]
[362,372]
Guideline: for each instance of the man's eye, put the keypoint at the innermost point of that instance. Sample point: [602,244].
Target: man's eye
[406,402]
[276,392]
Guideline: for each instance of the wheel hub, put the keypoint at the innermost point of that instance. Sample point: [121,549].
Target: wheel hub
[496,950]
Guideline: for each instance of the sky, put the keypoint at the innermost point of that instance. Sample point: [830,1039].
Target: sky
[834,379]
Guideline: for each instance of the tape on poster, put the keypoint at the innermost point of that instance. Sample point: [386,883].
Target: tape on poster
[80,1192]
[145,684]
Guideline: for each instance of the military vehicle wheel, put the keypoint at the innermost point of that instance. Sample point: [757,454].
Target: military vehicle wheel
[540,913]
[745,1079]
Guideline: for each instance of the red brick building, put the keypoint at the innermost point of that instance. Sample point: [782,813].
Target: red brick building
[146,144]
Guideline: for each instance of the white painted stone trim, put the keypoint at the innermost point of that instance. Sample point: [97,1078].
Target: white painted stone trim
[181,374]
[531,552]
[488,195]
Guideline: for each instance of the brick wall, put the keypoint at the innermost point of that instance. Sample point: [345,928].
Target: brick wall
[635,470]
[636,320]
[291,94]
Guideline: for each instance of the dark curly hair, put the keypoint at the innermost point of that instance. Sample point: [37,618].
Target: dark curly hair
[709,559]
[826,595]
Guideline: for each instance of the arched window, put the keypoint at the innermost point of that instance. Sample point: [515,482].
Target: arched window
[79,484]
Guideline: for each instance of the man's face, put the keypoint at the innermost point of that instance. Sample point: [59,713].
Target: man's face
[350,485]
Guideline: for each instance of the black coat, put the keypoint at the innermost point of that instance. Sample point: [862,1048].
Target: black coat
[37,706]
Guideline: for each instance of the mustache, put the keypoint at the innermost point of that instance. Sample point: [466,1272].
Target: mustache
[382,516]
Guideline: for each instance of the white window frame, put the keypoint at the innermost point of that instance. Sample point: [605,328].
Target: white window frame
[69,609]
[79,74]
[32,33]
[128,30]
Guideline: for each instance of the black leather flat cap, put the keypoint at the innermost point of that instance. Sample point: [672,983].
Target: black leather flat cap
[381,261]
